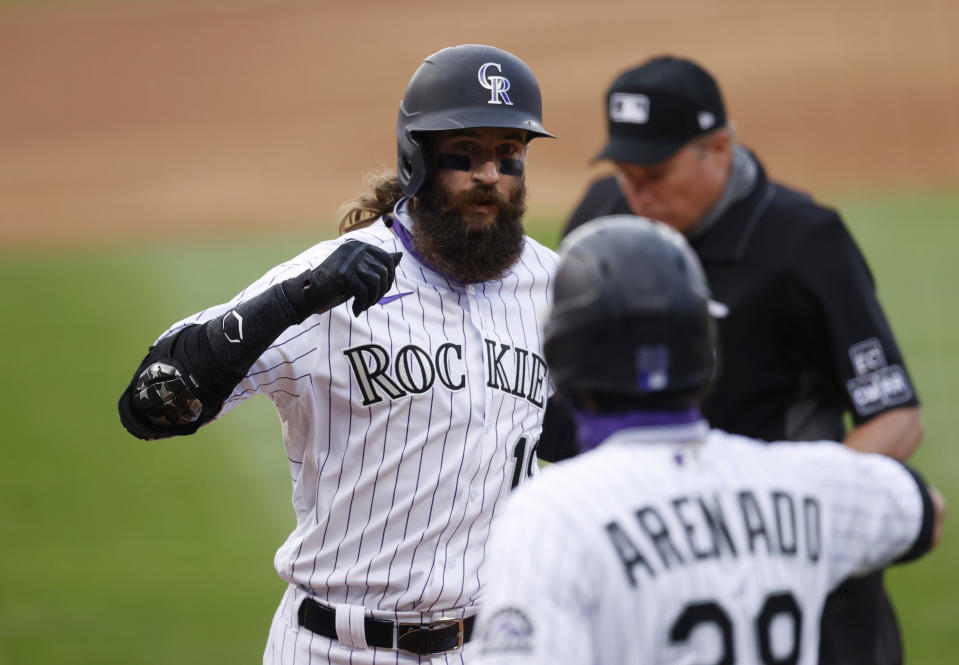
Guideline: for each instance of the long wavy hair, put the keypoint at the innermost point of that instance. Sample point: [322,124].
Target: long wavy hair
[382,192]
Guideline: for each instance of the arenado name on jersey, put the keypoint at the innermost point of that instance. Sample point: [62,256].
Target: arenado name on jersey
[693,528]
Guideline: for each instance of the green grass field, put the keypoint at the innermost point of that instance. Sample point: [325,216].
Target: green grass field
[118,551]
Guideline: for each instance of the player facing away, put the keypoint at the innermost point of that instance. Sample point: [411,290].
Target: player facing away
[404,360]
[667,541]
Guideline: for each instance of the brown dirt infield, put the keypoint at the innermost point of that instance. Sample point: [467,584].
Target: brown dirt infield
[167,118]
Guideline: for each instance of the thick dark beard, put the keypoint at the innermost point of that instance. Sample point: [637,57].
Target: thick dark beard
[446,241]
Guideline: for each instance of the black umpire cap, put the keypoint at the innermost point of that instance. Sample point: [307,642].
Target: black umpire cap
[656,108]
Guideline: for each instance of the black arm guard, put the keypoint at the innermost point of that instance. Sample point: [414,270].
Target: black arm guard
[185,378]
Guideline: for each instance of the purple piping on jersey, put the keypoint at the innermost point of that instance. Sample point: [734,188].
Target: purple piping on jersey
[593,428]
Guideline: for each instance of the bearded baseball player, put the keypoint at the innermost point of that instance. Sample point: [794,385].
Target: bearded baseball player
[667,541]
[404,360]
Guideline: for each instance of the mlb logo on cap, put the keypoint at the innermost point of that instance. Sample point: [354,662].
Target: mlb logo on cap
[627,107]
[656,108]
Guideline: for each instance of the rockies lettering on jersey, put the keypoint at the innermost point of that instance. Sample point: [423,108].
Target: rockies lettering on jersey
[513,370]
[791,528]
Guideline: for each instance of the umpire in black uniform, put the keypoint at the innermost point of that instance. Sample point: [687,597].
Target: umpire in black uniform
[804,340]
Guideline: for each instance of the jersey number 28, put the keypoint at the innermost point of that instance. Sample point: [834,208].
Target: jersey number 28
[776,605]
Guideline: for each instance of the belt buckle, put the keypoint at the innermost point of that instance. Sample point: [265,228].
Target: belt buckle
[402,630]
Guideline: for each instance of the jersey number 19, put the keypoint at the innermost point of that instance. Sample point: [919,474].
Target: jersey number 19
[523,460]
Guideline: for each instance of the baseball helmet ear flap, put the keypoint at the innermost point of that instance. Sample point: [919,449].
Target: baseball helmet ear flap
[411,162]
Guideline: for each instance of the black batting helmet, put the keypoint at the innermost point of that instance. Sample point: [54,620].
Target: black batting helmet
[631,314]
[470,85]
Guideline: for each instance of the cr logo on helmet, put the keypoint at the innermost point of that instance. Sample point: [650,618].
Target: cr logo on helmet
[497,85]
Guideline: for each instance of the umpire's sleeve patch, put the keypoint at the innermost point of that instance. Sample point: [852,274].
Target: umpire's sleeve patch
[876,386]
[508,630]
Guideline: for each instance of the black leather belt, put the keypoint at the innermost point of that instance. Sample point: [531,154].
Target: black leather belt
[419,638]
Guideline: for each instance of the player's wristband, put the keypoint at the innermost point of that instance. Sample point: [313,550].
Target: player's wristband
[924,540]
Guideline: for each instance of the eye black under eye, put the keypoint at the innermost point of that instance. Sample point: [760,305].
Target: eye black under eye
[510,166]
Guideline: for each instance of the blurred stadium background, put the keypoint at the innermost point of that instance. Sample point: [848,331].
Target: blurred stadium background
[155,157]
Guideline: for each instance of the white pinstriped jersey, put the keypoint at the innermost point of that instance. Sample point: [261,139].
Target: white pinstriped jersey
[404,427]
[655,549]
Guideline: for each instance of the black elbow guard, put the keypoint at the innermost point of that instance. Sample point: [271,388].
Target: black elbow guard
[185,378]
[163,399]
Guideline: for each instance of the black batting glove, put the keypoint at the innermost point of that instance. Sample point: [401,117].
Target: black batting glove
[354,270]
